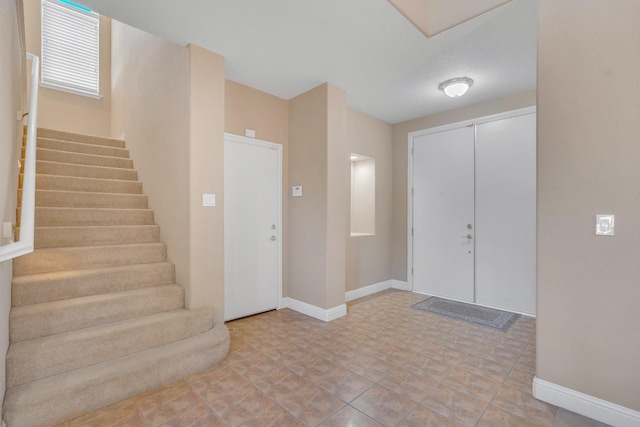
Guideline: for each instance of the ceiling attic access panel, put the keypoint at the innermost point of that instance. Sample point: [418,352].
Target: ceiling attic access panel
[435,16]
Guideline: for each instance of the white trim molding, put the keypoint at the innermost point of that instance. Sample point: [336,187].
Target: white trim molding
[399,284]
[325,315]
[367,290]
[584,404]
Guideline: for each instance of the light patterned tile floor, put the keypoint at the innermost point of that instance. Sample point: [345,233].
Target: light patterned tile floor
[384,364]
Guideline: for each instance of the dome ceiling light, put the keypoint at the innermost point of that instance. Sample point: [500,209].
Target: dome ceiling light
[456,87]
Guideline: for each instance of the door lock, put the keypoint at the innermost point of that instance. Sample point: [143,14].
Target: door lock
[273,238]
[469,226]
[273,226]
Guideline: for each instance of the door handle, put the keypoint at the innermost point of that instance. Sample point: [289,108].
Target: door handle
[468,236]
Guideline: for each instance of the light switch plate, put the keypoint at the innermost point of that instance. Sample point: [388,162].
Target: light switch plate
[296,191]
[250,133]
[208,199]
[604,225]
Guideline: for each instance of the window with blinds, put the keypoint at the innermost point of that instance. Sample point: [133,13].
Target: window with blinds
[70,48]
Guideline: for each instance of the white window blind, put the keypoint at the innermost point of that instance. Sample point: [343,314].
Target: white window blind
[70,48]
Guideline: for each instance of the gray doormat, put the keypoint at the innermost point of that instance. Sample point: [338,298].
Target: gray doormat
[497,319]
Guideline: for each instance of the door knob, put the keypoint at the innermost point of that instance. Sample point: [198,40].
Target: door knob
[469,226]
[273,238]
[468,236]
[273,226]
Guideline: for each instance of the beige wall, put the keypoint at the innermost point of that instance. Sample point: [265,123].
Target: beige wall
[248,108]
[206,175]
[11,100]
[268,115]
[319,161]
[150,109]
[168,103]
[400,131]
[66,111]
[338,189]
[588,326]
[369,257]
[308,214]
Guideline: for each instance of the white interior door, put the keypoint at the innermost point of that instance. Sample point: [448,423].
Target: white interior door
[443,214]
[506,213]
[252,212]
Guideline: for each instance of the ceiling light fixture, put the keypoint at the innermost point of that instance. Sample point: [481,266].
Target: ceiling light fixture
[456,87]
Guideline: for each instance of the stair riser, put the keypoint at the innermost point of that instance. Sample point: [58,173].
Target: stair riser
[53,198]
[74,147]
[35,289]
[66,396]
[77,137]
[82,159]
[67,183]
[69,169]
[28,322]
[64,237]
[36,359]
[53,217]
[51,260]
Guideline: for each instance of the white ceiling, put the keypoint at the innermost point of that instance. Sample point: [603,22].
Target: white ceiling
[387,67]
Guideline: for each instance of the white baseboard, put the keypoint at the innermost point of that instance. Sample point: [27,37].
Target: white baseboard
[366,290]
[399,284]
[326,315]
[584,404]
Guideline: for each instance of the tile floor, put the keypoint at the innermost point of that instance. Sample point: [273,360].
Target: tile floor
[385,363]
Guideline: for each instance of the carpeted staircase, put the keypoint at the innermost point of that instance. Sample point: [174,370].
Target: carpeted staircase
[97,316]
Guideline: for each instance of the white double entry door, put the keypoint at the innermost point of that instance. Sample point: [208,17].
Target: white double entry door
[252,226]
[472,211]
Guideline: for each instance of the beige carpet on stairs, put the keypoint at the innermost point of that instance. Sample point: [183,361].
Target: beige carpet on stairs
[96,314]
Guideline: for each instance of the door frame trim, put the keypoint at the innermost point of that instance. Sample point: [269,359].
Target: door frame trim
[437,129]
[239,139]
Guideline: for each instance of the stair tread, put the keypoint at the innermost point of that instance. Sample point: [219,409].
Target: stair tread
[75,273]
[92,331]
[73,302]
[76,216]
[46,287]
[64,396]
[80,257]
[84,178]
[81,165]
[86,235]
[81,154]
[48,190]
[96,227]
[89,199]
[82,159]
[92,209]
[81,147]
[50,318]
[42,357]
[73,136]
[100,247]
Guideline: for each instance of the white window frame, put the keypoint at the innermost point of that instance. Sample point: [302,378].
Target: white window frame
[70,36]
